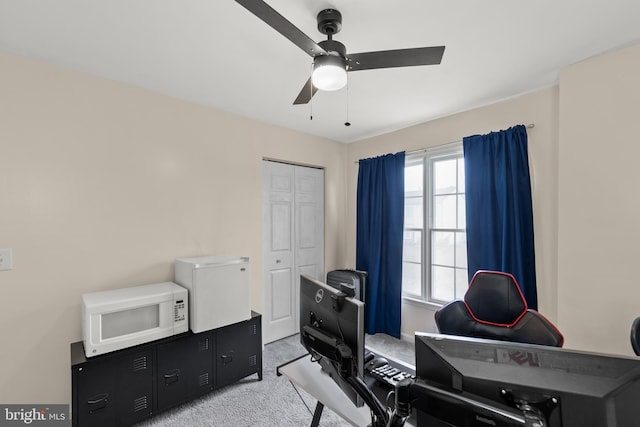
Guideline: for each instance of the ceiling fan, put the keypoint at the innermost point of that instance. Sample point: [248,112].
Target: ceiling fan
[330,59]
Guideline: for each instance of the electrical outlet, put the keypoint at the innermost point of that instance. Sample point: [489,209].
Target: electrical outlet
[6,263]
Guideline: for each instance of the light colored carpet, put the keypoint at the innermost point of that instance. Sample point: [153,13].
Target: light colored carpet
[272,402]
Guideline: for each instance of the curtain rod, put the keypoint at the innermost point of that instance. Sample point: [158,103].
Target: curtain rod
[529,126]
[420,150]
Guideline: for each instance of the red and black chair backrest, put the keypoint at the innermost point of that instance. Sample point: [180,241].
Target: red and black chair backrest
[494,308]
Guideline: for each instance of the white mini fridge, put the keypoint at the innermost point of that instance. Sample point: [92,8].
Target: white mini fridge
[218,290]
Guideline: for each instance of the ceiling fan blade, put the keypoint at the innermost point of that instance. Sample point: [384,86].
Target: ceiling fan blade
[306,93]
[282,25]
[395,58]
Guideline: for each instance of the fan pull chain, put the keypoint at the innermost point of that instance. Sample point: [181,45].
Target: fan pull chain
[311,94]
[347,123]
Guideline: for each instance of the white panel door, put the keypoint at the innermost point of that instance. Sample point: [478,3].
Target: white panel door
[293,242]
[309,227]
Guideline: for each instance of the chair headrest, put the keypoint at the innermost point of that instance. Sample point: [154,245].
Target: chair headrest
[495,298]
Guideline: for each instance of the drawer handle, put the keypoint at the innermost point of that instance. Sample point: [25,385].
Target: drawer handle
[171,377]
[97,402]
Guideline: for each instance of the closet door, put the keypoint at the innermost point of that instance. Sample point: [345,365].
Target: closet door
[293,242]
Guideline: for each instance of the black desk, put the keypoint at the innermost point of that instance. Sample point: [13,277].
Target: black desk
[309,376]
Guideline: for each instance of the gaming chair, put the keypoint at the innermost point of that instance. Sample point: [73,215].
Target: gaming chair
[494,308]
[635,336]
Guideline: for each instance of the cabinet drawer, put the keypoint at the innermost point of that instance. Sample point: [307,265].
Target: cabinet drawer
[238,351]
[115,390]
[185,369]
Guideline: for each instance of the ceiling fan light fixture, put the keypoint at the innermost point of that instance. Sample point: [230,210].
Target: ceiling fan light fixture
[329,72]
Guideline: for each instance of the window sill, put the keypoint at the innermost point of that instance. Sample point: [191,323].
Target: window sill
[421,303]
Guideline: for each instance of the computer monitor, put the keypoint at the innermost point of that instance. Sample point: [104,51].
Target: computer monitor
[329,318]
[478,382]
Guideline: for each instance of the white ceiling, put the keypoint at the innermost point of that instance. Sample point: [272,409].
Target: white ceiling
[216,53]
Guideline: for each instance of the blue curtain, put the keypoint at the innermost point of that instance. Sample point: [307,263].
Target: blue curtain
[498,207]
[379,235]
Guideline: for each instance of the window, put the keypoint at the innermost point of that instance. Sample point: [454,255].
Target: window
[434,261]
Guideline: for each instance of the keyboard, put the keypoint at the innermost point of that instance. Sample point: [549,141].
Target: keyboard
[389,376]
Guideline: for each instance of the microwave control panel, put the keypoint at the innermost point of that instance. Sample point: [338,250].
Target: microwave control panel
[179,311]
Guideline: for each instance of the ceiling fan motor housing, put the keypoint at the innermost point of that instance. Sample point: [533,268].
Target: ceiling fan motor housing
[329,22]
[333,47]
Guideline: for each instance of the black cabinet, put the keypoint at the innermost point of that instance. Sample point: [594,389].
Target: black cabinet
[116,390]
[239,352]
[184,369]
[126,386]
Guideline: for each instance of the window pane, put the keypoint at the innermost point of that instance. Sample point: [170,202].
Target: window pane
[462,217]
[443,248]
[444,176]
[461,250]
[442,283]
[412,246]
[412,278]
[413,179]
[462,282]
[461,183]
[435,204]
[444,212]
[413,216]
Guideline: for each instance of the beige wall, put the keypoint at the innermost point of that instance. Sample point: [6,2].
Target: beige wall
[599,203]
[102,185]
[539,108]
[583,154]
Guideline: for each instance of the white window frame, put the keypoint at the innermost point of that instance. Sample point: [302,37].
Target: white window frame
[427,157]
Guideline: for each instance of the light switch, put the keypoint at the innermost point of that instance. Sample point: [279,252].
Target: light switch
[6,262]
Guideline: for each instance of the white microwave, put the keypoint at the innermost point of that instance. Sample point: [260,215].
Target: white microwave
[120,318]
